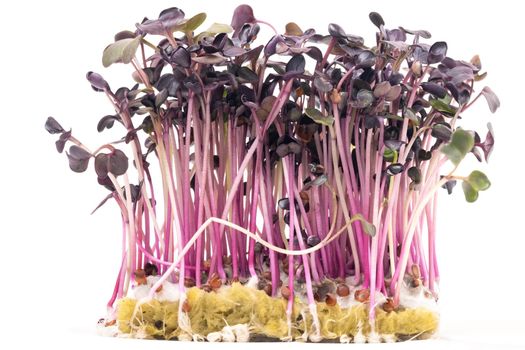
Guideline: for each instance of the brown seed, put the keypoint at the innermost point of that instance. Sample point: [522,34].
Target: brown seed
[267,275]
[335,96]
[189,282]
[304,196]
[268,289]
[317,297]
[416,282]
[415,271]
[331,299]
[206,288]
[159,289]
[389,306]
[139,273]
[110,323]
[186,307]
[215,283]
[428,295]
[285,292]
[343,290]
[141,281]
[362,295]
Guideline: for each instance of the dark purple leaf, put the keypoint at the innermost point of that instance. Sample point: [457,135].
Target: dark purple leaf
[315,53]
[396,35]
[78,158]
[170,83]
[437,52]
[53,127]
[209,59]
[312,241]
[434,89]
[376,19]
[107,122]
[322,82]
[365,59]
[414,174]
[424,155]
[394,145]
[247,75]
[336,31]
[181,57]
[243,14]
[364,98]
[284,203]
[394,169]
[296,65]
[492,99]
[271,46]
[287,145]
[442,132]
[168,20]
[459,74]
[60,144]
[97,82]
[117,163]
[449,185]
[101,164]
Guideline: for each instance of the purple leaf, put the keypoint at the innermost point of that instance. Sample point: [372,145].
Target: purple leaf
[117,163]
[181,57]
[243,14]
[488,144]
[78,158]
[434,89]
[492,99]
[376,19]
[437,52]
[167,21]
[53,127]
[97,82]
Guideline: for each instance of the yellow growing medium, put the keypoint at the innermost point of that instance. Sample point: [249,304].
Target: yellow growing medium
[266,316]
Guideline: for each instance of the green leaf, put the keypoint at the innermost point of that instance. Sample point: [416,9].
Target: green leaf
[121,51]
[318,117]
[471,194]
[389,155]
[461,143]
[217,28]
[478,181]
[443,107]
[194,22]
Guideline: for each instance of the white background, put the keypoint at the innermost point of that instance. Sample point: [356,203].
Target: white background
[59,262]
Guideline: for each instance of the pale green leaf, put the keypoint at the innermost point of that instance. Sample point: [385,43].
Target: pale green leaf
[461,143]
[121,51]
[471,194]
[318,117]
[478,180]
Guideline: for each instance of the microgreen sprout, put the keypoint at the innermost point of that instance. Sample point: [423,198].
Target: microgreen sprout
[313,157]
